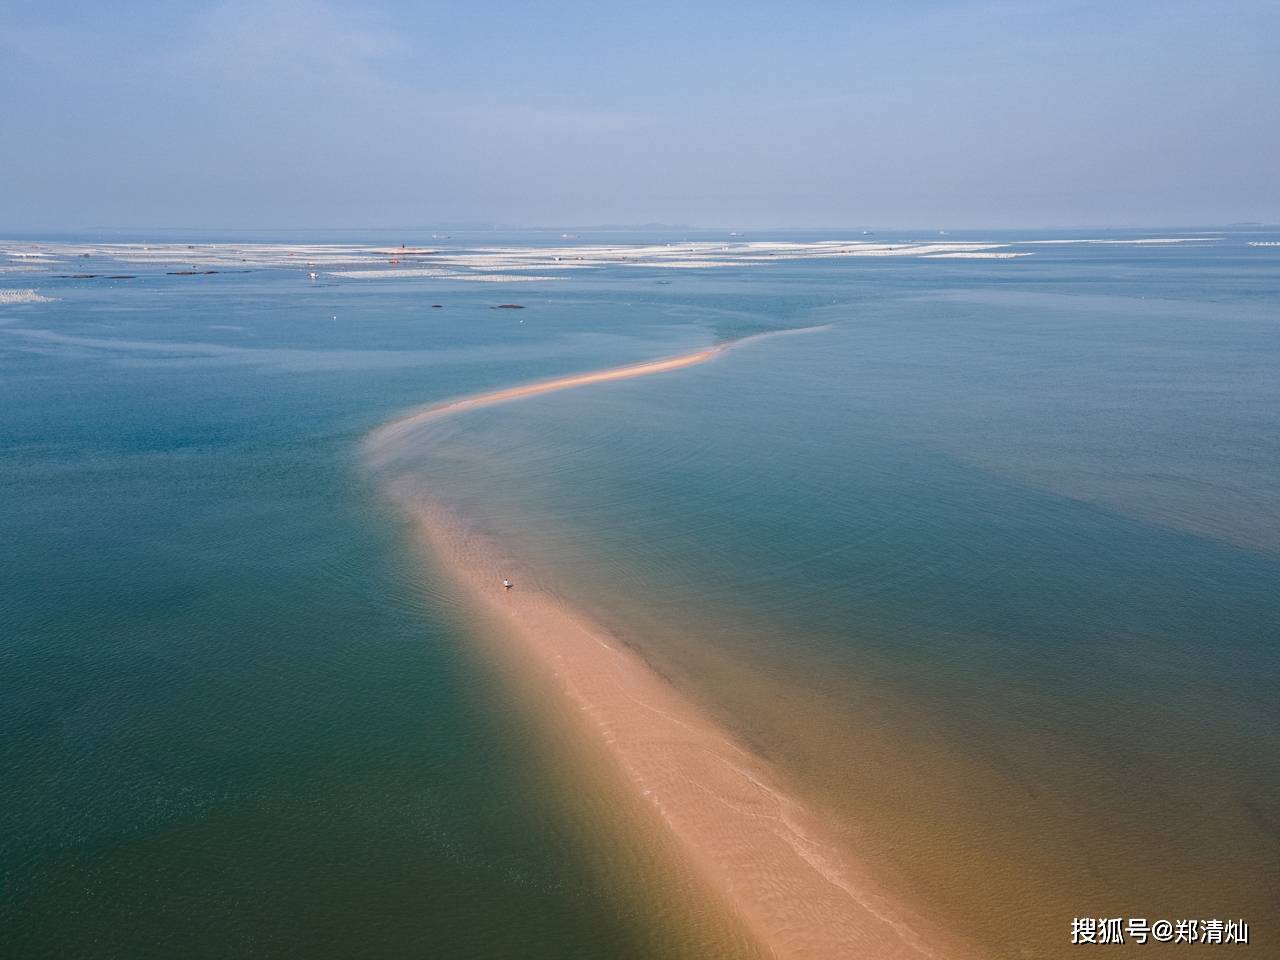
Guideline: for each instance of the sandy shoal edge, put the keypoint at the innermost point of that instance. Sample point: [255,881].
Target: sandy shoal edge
[754,843]
[381,442]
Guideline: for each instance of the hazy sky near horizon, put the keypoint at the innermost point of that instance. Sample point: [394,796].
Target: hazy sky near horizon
[308,113]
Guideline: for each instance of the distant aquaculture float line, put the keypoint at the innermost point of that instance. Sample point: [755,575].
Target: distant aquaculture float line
[23,296]
[525,264]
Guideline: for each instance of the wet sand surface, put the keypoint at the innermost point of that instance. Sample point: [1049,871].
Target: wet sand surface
[756,846]
[382,439]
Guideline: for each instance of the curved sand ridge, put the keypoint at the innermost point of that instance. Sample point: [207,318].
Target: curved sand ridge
[757,846]
[385,436]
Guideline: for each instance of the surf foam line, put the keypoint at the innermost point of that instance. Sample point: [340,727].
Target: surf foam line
[760,850]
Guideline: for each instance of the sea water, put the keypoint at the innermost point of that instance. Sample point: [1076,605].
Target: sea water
[988,565]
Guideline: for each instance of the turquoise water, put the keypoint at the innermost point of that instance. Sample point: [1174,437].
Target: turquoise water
[990,565]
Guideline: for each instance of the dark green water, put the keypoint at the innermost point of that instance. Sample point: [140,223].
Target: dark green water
[236,724]
[991,566]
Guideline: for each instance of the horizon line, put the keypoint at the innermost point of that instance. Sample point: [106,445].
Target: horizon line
[498,227]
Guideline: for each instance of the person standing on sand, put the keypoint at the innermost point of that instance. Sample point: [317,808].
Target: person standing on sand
[507,584]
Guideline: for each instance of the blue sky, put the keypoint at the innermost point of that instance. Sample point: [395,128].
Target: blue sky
[304,113]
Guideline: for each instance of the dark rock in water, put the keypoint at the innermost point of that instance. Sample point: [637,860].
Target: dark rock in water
[509,306]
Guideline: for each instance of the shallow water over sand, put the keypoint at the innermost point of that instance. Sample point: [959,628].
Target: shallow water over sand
[1011,700]
[987,572]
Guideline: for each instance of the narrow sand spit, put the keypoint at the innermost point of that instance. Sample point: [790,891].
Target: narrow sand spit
[381,441]
[758,848]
